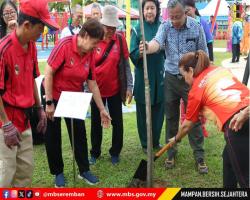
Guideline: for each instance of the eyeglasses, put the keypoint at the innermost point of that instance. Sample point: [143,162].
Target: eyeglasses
[9,14]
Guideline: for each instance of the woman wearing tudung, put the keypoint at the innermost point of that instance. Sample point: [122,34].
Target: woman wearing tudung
[155,63]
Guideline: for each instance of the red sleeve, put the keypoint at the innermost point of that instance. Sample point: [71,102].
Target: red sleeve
[2,72]
[4,45]
[125,47]
[194,105]
[36,68]
[57,56]
[92,75]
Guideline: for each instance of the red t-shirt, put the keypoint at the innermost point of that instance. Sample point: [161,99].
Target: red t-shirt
[107,76]
[18,69]
[71,69]
[217,94]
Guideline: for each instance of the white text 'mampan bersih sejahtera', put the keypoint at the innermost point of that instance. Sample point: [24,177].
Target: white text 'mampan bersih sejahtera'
[210,193]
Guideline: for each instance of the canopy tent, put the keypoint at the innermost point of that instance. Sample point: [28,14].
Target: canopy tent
[211,6]
[164,3]
[134,14]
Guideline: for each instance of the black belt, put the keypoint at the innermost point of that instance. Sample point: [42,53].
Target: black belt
[178,76]
[27,111]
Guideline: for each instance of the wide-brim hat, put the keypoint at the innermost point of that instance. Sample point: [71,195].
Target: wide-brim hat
[110,16]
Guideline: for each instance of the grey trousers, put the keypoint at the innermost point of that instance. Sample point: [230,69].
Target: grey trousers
[175,89]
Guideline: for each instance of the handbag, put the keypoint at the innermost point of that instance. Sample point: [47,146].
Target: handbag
[122,72]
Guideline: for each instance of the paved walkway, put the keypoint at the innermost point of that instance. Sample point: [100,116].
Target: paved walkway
[236,68]
[220,49]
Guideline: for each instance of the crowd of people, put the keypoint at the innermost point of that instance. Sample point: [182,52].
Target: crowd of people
[94,57]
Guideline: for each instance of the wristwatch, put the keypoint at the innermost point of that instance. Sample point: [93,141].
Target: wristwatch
[49,102]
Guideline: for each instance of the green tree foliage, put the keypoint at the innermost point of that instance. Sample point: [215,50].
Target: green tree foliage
[74,2]
[59,7]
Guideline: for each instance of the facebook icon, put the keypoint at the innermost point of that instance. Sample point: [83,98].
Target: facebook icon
[6,194]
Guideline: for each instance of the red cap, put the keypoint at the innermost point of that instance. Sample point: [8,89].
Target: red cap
[38,9]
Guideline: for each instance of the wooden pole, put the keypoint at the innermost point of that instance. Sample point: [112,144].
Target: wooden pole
[128,21]
[73,151]
[215,16]
[148,103]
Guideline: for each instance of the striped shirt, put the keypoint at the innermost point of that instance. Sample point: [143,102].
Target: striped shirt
[189,38]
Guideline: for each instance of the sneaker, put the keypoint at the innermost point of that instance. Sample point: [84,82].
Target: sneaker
[92,160]
[115,160]
[201,166]
[169,163]
[59,181]
[89,178]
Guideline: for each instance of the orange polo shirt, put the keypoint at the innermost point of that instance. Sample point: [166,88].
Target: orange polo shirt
[217,94]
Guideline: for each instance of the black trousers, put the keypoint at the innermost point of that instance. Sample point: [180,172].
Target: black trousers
[53,144]
[236,157]
[210,51]
[114,104]
[246,72]
[235,52]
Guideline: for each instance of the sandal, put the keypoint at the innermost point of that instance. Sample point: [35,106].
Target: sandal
[201,166]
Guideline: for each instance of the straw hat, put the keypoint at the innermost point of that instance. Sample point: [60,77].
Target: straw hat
[110,16]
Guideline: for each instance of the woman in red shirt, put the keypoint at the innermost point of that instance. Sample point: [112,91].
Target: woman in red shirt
[218,95]
[70,64]
[110,84]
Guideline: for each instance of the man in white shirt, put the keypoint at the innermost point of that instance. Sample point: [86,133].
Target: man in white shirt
[75,26]
[96,11]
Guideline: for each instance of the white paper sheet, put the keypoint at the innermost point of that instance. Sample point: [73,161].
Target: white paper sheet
[73,105]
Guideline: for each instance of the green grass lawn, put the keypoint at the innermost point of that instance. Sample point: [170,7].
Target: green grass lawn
[42,66]
[220,56]
[220,43]
[183,175]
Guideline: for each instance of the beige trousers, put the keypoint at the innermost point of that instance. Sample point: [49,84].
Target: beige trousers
[16,164]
